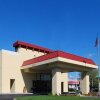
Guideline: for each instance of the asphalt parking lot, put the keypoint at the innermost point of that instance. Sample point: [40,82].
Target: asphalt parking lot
[12,96]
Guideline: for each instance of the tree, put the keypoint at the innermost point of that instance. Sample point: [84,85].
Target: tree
[93,79]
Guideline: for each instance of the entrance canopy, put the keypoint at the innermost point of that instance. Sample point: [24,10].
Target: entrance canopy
[56,64]
[63,60]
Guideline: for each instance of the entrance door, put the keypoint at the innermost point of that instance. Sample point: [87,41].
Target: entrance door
[62,87]
[41,86]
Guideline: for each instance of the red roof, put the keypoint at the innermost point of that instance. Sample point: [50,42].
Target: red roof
[31,46]
[58,54]
[73,82]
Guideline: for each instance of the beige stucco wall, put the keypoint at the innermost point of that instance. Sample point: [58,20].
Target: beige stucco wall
[84,83]
[64,79]
[0,71]
[10,67]
[57,78]
[56,81]
[27,54]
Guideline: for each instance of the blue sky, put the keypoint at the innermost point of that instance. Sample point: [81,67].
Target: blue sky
[68,25]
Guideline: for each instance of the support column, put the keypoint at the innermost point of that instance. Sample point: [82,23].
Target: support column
[84,83]
[65,81]
[56,81]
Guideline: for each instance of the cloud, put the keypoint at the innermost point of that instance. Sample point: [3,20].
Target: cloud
[90,55]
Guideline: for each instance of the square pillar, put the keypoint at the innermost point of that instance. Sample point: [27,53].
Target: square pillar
[84,83]
[65,81]
[56,81]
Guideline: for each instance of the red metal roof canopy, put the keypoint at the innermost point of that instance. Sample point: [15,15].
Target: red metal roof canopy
[31,46]
[58,54]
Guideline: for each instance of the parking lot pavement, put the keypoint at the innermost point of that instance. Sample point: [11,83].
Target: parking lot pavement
[12,96]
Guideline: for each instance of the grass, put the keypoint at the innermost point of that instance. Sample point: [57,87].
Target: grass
[56,98]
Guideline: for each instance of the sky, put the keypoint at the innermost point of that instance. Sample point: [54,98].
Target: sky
[67,25]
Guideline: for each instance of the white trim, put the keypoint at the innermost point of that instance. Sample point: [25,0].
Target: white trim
[40,63]
[62,60]
[77,62]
